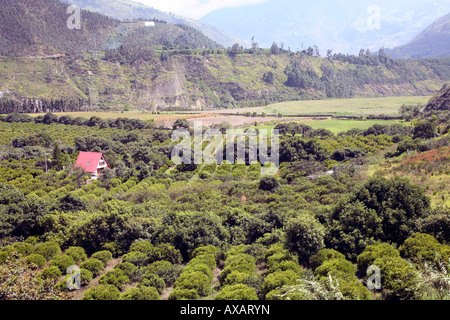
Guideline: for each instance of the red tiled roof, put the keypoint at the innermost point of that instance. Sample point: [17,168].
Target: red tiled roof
[89,161]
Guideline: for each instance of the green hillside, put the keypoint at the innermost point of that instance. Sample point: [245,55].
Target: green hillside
[39,27]
[148,78]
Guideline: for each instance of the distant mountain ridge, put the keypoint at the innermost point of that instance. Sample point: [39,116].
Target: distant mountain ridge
[342,25]
[125,9]
[433,42]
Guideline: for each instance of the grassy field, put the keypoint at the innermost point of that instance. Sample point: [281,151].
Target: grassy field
[129,114]
[355,106]
[336,125]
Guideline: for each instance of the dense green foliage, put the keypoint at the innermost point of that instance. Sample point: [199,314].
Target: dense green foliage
[148,230]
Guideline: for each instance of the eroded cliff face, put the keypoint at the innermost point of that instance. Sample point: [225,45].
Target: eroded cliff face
[441,101]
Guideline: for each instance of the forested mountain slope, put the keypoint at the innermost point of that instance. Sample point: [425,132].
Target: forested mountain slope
[39,27]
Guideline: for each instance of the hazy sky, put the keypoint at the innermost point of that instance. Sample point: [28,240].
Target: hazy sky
[195,9]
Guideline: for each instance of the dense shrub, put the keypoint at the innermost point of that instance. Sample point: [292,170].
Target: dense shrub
[381,209]
[166,271]
[93,265]
[242,263]
[37,259]
[235,277]
[116,277]
[135,257]
[23,248]
[52,273]
[47,249]
[62,262]
[286,265]
[237,292]
[373,252]
[268,183]
[194,280]
[77,253]
[424,247]
[323,255]
[141,293]
[102,292]
[5,254]
[335,268]
[164,252]
[206,259]
[184,294]
[342,274]
[201,268]
[86,277]
[304,236]
[104,256]
[191,230]
[152,280]
[437,224]
[206,250]
[399,278]
[142,246]
[126,267]
[278,279]
[274,261]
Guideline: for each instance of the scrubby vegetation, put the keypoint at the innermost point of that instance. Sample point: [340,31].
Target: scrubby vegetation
[148,230]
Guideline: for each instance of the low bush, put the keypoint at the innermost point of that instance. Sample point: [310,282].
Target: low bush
[104,256]
[277,280]
[102,292]
[62,262]
[206,259]
[141,293]
[373,252]
[164,252]
[77,253]
[116,277]
[126,267]
[399,277]
[142,246]
[47,249]
[135,257]
[235,277]
[335,268]
[206,250]
[199,267]
[286,265]
[242,263]
[85,277]
[184,294]
[37,259]
[424,247]
[93,265]
[23,248]
[52,273]
[237,292]
[323,255]
[152,280]
[194,280]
